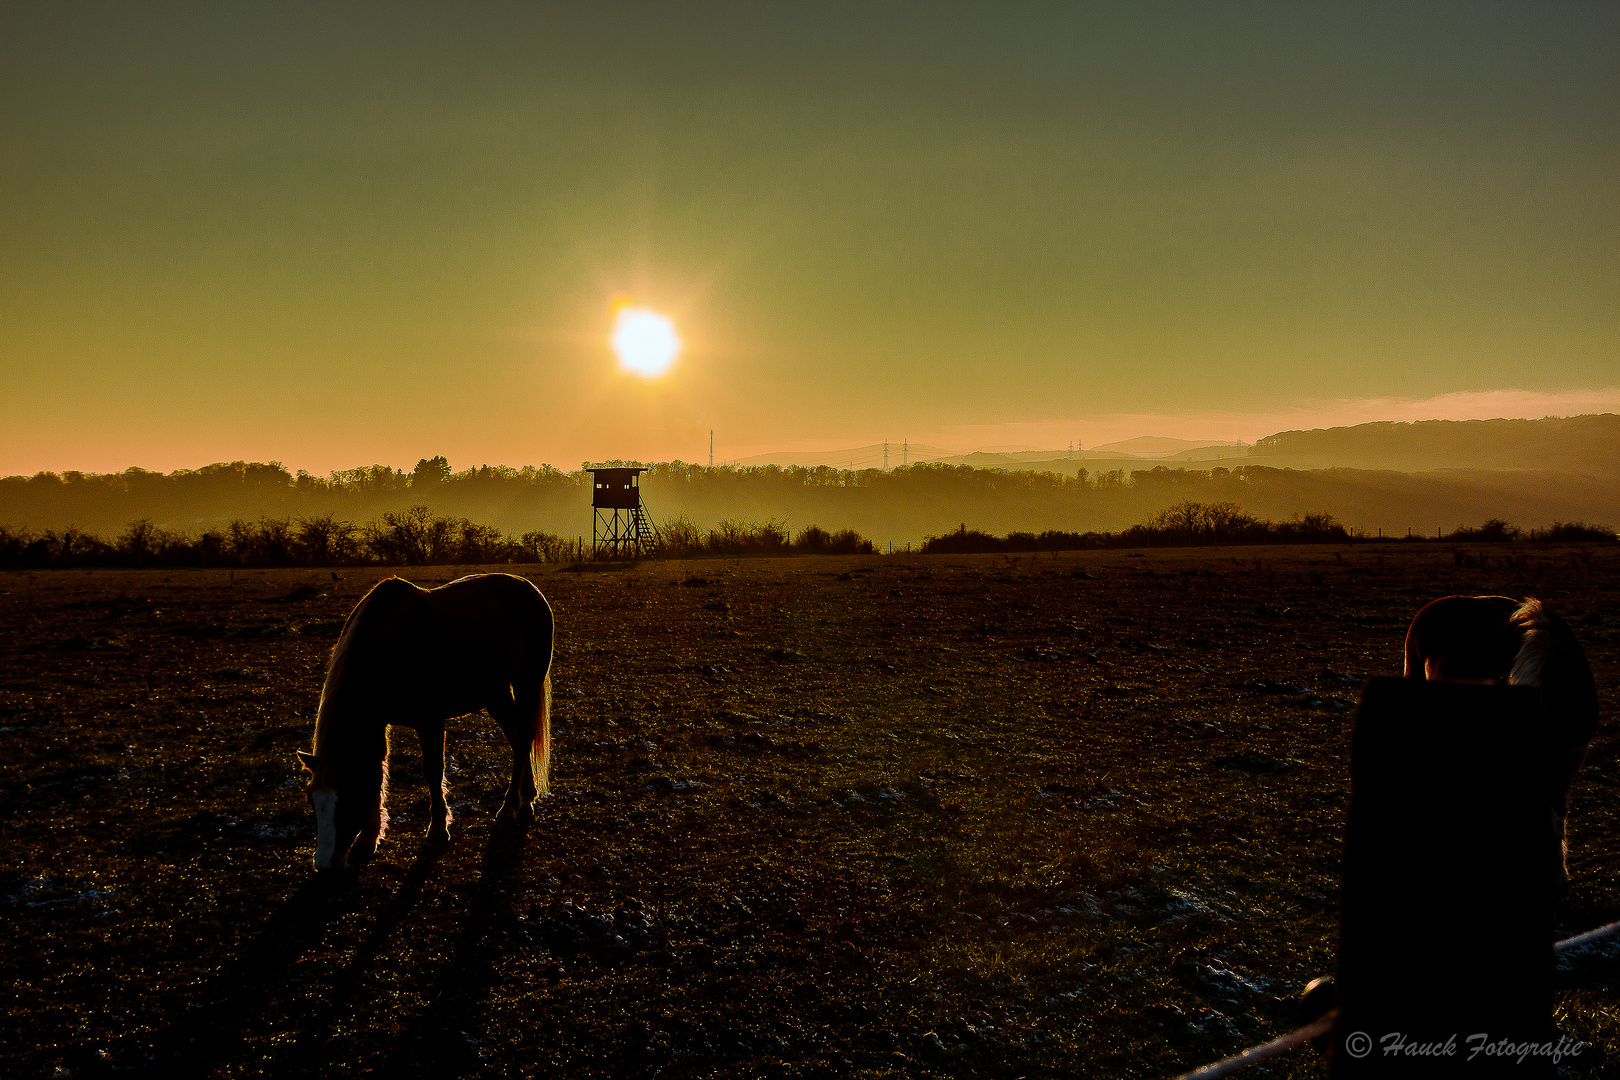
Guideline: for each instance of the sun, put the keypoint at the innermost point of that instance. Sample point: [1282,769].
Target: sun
[645,341]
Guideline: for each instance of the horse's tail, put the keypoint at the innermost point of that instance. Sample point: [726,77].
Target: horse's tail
[540,749]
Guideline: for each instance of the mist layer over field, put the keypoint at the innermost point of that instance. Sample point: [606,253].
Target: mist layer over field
[1530,473]
[899,507]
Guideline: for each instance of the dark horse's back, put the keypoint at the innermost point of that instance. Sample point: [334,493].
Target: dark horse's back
[423,655]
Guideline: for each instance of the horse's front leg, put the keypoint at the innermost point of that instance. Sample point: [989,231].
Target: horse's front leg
[431,737]
[376,815]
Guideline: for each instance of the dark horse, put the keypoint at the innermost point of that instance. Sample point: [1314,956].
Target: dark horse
[1497,639]
[419,657]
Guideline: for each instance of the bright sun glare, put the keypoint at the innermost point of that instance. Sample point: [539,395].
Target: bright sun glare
[645,341]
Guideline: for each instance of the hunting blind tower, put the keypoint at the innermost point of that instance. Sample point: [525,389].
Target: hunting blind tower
[621,528]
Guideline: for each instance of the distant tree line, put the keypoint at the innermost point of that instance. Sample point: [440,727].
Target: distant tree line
[501,495]
[219,493]
[896,507]
[1185,524]
[1497,531]
[1193,524]
[681,538]
[412,537]
[416,536]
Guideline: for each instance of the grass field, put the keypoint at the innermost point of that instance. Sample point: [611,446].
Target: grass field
[837,816]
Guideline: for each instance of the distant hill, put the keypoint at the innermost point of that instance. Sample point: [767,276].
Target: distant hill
[1114,454]
[855,457]
[1588,444]
[1153,446]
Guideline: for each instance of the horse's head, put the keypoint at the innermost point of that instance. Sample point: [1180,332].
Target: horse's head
[1464,639]
[342,809]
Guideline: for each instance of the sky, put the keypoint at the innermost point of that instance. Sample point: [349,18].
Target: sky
[331,235]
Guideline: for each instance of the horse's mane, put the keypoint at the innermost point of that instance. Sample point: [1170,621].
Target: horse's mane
[370,613]
[1530,665]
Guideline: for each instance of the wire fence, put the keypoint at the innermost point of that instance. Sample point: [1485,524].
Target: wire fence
[1324,1023]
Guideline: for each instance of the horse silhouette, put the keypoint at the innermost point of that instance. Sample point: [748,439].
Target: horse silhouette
[420,657]
[1504,641]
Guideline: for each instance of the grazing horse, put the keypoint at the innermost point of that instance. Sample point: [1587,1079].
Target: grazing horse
[1496,639]
[419,657]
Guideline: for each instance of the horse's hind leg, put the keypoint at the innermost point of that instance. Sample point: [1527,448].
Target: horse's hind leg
[515,810]
[526,720]
[431,736]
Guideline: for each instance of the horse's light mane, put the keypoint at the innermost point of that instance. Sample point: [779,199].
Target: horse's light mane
[362,621]
[1530,665]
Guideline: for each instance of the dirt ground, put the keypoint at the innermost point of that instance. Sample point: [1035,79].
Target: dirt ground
[881,816]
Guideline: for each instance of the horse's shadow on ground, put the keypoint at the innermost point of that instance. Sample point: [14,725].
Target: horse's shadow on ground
[436,1042]
[388,919]
[235,999]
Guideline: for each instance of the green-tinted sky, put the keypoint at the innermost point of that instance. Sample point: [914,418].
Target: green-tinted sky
[333,235]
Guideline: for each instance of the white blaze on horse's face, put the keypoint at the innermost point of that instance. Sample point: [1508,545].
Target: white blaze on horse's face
[327,857]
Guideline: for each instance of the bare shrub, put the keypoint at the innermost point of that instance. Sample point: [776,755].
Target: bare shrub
[483,544]
[17,548]
[1191,522]
[240,543]
[850,542]
[1494,531]
[964,541]
[399,537]
[441,537]
[1568,532]
[325,540]
[1313,528]
[417,537]
[138,543]
[274,542]
[209,550]
[814,540]
[75,547]
[544,547]
[748,538]
[680,538]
